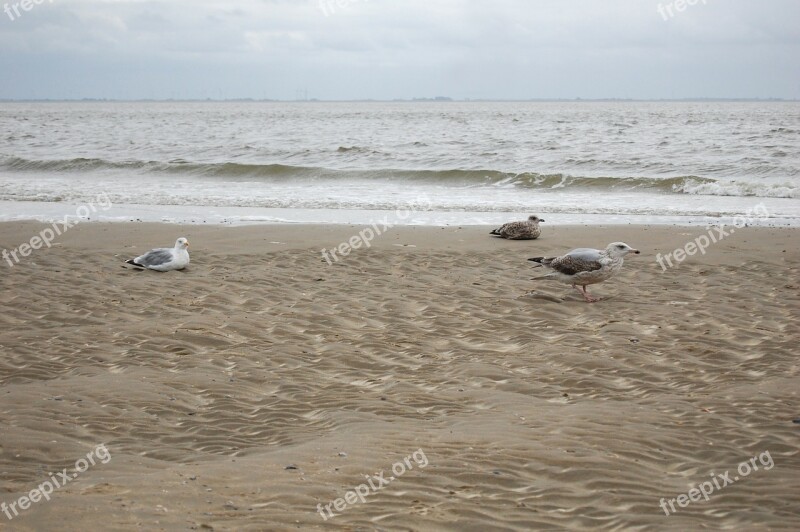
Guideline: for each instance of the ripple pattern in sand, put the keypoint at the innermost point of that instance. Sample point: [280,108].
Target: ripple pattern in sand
[535,411]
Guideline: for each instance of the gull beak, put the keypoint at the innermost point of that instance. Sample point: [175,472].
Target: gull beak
[636,251]
[187,245]
[541,219]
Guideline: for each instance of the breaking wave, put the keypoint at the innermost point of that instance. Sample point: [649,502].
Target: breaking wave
[229,171]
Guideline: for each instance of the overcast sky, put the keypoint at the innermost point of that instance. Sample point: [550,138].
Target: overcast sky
[386,49]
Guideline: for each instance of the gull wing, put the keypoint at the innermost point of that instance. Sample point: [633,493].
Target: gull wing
[155,257]
[577,261]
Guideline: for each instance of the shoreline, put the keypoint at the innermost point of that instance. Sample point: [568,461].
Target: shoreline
[246,216]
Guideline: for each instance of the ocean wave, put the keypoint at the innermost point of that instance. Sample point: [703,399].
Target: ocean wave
[246,172]
[233,170]
[737,188]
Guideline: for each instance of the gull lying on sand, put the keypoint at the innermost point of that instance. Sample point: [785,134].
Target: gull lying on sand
[584,266]
[527,230]
[164,259]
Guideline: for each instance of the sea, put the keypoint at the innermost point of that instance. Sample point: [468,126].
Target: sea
[420,163]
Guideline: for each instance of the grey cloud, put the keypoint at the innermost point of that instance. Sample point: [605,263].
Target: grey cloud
[389,49]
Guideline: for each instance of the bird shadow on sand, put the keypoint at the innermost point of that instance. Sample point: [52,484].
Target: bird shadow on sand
[567,298]
[533,294]
[138,269]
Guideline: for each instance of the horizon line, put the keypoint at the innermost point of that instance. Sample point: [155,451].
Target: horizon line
[438,99]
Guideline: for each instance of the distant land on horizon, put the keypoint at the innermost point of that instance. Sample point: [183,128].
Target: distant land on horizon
[437,99]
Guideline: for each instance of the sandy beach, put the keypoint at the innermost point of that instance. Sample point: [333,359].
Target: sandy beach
[263,384]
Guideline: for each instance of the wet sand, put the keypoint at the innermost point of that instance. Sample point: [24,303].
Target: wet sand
[262,381]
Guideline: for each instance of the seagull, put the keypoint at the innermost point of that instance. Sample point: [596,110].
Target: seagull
[164,259]
[584,266]
[527,230]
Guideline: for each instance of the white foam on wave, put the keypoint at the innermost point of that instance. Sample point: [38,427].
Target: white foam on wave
[738,188]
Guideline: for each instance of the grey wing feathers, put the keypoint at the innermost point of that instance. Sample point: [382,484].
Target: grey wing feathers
[585,254]
[155,257]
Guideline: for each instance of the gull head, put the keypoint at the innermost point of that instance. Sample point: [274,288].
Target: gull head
[535,219]
[181,243]
[617,250]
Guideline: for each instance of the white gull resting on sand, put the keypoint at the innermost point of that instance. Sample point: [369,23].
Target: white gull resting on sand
[584,266]
[164,259]
[527,230]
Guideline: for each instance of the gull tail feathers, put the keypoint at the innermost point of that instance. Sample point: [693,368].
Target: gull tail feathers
[541,261]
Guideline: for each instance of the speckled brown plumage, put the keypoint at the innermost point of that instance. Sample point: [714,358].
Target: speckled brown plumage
[527,230]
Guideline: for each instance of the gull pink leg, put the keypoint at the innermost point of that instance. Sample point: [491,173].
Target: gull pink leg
[577,288]
[588,296]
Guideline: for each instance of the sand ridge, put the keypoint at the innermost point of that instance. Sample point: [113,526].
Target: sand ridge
[535,409]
